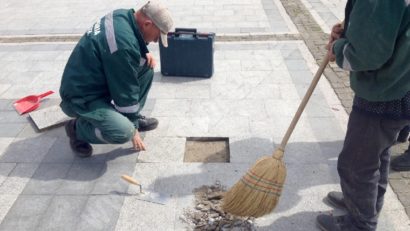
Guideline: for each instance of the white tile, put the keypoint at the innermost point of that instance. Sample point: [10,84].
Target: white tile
[6,201]
[226,126]
[4,143]
[3,88]
[188,126]
[163,150]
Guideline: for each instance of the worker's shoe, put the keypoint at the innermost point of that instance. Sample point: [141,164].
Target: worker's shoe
[146,124]
[336,200]
[402,162]
[81,148]
[333,223]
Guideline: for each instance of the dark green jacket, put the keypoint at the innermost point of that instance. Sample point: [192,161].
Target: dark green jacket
[106,64]
[376,49]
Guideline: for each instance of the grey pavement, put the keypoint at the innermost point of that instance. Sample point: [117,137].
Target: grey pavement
[256,88]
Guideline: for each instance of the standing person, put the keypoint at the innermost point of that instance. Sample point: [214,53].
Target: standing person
[374,47]
[108,76]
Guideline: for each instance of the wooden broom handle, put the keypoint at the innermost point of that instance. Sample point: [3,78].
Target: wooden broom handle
[302,105]
[304,102]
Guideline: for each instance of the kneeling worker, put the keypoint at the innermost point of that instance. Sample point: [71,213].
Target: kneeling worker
[108,76]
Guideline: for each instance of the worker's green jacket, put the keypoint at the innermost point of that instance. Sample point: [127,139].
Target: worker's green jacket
[376,48]
[107,64]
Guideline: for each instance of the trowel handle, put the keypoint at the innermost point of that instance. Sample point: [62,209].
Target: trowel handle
[130,180]
[45,94]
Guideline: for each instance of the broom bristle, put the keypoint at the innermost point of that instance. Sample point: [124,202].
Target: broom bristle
[258,192]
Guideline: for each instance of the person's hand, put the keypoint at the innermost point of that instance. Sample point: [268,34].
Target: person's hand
[137,142]
[335,34]
[151,61]
[330,54]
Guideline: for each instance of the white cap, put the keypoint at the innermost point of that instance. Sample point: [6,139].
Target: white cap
[160,16]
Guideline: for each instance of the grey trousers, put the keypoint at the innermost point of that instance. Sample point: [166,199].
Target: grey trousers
[363,166]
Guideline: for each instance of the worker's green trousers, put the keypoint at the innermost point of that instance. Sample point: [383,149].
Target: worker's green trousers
[98,122]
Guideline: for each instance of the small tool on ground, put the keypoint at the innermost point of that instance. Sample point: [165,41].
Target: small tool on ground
[145,195]
[132,181]
[30,103]
[258,192]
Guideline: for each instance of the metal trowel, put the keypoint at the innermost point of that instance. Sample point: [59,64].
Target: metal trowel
[145,195]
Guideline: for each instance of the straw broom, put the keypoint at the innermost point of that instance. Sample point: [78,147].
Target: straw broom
[258,192]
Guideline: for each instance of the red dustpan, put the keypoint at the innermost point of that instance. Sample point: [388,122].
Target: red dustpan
[30,103]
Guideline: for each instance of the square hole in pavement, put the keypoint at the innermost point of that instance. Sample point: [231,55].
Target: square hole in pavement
[206,149]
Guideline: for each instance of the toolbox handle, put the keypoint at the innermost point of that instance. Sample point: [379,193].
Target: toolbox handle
[190,31]
[185,30]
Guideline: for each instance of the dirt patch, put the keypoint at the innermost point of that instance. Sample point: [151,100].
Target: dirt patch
[208,214]
[206,149]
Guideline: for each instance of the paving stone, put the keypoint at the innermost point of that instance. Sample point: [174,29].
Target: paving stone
[11,117]
[4,143]
[400,185]
[170,107]
[26,212]
[62,213]
[326,129]
[17,91]
[100,213]
[47,179]
[263,92]
[18,178]
[395,175]
[404,198]
[209,108]
[278,125]
[201,91]
[60,152]
[110,153]
[296,64]
[249,149]
[405,174]
[301,77]
[3,88]
[188,126]
[131,216]
[30,150]
[287,107]
[163,149]
[81,178]
[5,170]
[394,205]
[162,91]
[19,73]
[6,105]
[110,182]
[6,201]
[229,126]
[30,131]
[11,129]
[276,77]
[189,14]
[48,117]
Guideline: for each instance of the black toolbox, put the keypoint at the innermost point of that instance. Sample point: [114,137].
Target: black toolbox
[188,54]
